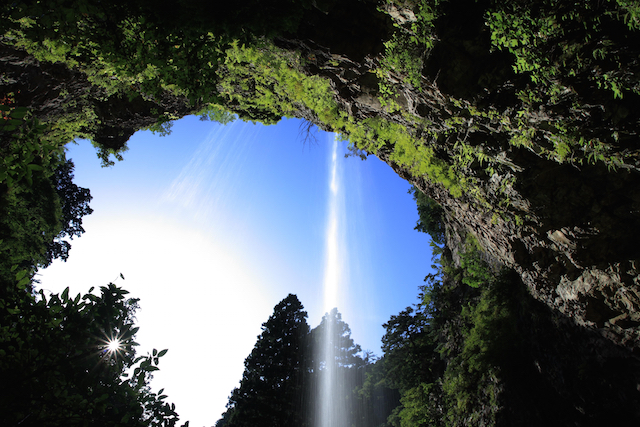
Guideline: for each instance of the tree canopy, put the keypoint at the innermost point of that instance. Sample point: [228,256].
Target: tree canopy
[281,383]
[270,391]
[72,361]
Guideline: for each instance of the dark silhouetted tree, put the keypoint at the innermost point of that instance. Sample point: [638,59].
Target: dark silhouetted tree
[74,203]
[270,393]
[335,359]
[57,369]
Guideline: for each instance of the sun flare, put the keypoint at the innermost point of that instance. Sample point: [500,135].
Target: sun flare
[113,345]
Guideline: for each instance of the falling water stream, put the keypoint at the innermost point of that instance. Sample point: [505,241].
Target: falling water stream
[331,411]
[333,273]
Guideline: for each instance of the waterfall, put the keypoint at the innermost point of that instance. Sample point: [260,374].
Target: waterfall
[331,410]
[333,272]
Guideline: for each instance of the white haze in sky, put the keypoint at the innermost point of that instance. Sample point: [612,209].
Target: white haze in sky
[213,225]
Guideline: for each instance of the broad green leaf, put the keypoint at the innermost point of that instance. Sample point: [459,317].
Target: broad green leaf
[129,333]
[22,284]
[19,113]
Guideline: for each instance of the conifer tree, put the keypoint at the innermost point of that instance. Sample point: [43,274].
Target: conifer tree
[335,360]
[270,393]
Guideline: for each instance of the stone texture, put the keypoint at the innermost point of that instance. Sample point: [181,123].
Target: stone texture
[569,231]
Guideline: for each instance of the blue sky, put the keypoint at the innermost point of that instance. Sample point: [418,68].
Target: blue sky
[213,225]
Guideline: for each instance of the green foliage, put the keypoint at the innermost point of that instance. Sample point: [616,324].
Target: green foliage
[284,372]
[378,398]
[215,113]
[52,348]
[107,155]
[345,351]
[629,12]
[572,53]
[54,352]
[529,29]
[408,346]
[475,271]
[74,204]
[494,358]
[418,408]
[401,57]
[375,134]
[39,205]
[222,56]
[405,50]
[467,339]
[263,83]
[140,47]
[431,214]
[30,208]
[412,363]
[447,356]
[471,382]
[140,51]
[332,352]
[271,391]
[25,149]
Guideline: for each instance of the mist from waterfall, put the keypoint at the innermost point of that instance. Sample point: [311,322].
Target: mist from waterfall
[331,409]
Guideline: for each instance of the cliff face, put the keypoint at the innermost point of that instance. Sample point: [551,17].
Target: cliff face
[536,366]
[539,161]
[545,176]
[520,120]
[567,225]
[52,91]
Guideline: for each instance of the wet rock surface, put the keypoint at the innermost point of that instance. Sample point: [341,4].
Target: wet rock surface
[569,230]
